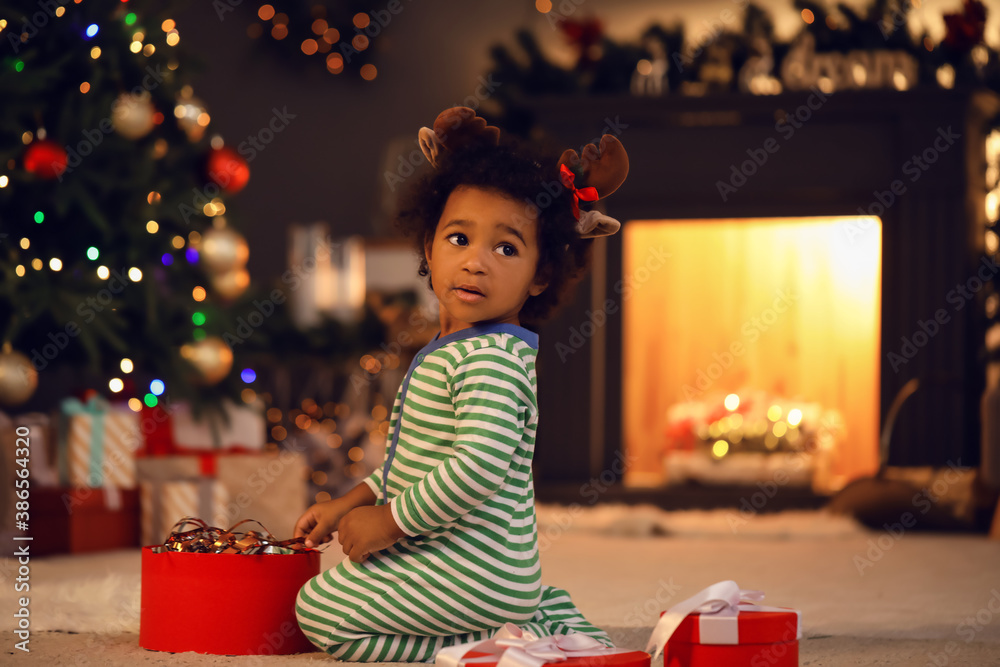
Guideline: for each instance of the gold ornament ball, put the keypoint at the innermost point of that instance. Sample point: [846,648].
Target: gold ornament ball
[18,378]
[211,357]
[231,284]
[191,117]
[133,115]
[223,250]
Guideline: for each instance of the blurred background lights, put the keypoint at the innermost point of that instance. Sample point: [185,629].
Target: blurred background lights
[134,274]
[198,318]
[156,387]
[127,366]
[167,259]
[732,402]
[150,400]
[93,253]
[720,448]
[248,375]
[92,30]
[116,385]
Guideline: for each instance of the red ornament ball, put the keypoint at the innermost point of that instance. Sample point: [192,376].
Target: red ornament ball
[228,169]
[45,158]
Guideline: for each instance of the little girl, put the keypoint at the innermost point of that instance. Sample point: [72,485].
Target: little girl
[441,540]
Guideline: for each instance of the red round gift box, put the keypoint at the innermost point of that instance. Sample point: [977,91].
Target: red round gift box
[766,638]
[223,604]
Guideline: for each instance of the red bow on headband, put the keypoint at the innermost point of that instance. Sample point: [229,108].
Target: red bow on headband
[586,194]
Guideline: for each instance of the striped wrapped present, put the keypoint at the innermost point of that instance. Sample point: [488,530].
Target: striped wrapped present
[165,502]
[97,443]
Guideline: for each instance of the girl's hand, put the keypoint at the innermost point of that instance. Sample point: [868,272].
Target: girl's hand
[319,522]
[367,529]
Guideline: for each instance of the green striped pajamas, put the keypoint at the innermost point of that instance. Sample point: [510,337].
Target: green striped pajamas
[458,478]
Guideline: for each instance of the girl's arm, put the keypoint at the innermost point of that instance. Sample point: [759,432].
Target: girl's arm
[493,398]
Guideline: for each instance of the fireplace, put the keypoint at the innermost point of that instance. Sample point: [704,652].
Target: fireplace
[866,207]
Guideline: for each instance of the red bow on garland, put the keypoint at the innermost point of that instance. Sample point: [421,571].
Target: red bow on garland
[586,194]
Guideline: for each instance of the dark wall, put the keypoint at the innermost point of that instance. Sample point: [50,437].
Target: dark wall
[327,164]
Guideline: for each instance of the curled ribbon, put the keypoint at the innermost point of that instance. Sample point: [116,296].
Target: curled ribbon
[722,600]
[513,647]
[567,177]
[207,539]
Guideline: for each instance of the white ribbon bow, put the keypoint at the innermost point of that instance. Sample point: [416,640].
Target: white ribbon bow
[513,647]
[724,599]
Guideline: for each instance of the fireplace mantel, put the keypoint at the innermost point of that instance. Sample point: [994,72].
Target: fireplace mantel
[841,160]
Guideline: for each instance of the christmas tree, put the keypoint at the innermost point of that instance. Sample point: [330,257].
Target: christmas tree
[116,255]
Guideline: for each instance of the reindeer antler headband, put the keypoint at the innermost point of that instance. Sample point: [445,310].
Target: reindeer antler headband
[594,175]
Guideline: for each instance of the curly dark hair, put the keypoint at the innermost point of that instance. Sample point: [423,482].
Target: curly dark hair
[523,174]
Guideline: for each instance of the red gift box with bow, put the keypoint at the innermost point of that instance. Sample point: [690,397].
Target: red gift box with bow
[723,625]
[515,647]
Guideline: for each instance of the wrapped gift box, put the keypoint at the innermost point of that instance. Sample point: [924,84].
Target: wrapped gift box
[268,487]
[723,625]
[763,638]
[243,427]
[512,645]
[223,604]
[65,520]
[164,503]
[97,444]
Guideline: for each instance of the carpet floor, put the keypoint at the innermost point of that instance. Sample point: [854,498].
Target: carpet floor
[867,598]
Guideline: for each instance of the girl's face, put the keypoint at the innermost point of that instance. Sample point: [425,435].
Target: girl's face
[483,259]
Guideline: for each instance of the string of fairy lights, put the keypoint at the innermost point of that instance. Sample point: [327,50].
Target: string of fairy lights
[342,44]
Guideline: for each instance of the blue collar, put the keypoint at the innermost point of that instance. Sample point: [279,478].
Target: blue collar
[531,339]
